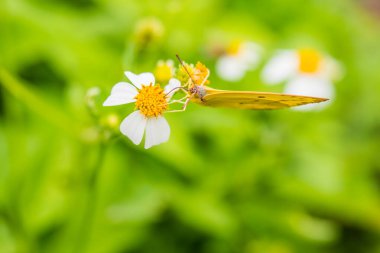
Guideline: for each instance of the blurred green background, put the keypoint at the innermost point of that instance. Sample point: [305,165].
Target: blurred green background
[227,180]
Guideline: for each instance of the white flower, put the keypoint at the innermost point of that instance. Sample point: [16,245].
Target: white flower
[308,85]
[151,102]
[238,59]
[306,72]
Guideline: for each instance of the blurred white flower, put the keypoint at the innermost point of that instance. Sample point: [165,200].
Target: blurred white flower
[306,72]
[239,58]
[151,102]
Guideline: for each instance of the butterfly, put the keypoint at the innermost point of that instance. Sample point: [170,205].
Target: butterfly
[206,96]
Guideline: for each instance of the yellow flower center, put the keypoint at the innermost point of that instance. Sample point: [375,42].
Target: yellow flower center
[151,100]
[234,47]
[163,72]
[310,60]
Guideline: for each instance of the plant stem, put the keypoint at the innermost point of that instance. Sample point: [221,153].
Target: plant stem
[85,230]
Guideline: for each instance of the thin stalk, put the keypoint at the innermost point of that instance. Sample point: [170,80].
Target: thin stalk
[84,232]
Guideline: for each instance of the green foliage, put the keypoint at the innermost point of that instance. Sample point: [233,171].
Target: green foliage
[227,181]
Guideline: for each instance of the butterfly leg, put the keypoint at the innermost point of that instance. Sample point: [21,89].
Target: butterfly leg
[184,105]
[178,100]
[177,88]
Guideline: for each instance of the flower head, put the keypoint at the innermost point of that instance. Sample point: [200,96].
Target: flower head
[164,71]
[239,57]
[151,102]
[148,30]
[286,64]
[198,73]
[306,72]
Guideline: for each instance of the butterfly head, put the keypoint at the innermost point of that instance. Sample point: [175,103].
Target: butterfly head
[197,91]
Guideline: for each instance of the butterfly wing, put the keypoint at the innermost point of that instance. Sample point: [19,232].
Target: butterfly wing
[252,100]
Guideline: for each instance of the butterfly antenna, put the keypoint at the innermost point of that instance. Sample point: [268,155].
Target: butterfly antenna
[184,66]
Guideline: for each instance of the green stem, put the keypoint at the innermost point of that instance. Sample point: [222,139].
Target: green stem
[86,228]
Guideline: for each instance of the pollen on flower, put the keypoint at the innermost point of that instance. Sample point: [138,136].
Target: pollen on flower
[151,100]
[198,73]
[309,60]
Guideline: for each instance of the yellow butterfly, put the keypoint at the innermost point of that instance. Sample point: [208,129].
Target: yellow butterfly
[198,93]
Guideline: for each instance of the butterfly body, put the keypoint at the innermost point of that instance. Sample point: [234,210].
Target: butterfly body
[198,92]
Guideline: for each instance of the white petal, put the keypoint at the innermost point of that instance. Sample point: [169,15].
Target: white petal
[281,67]
[250,54]
[230,68]
[173,84]
[157,131]
[332,69]
[141,79]
[121,93]
[309,85]
[133,126]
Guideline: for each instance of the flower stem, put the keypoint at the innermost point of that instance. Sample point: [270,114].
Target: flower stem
[86,228]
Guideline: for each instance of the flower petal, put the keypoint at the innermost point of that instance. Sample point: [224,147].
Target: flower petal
[281,67]
[121,93]
[173,84]
[250,54]
[309,85]
[231,68]
[141,79]
[157,131]
[133,126]
[332,69]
